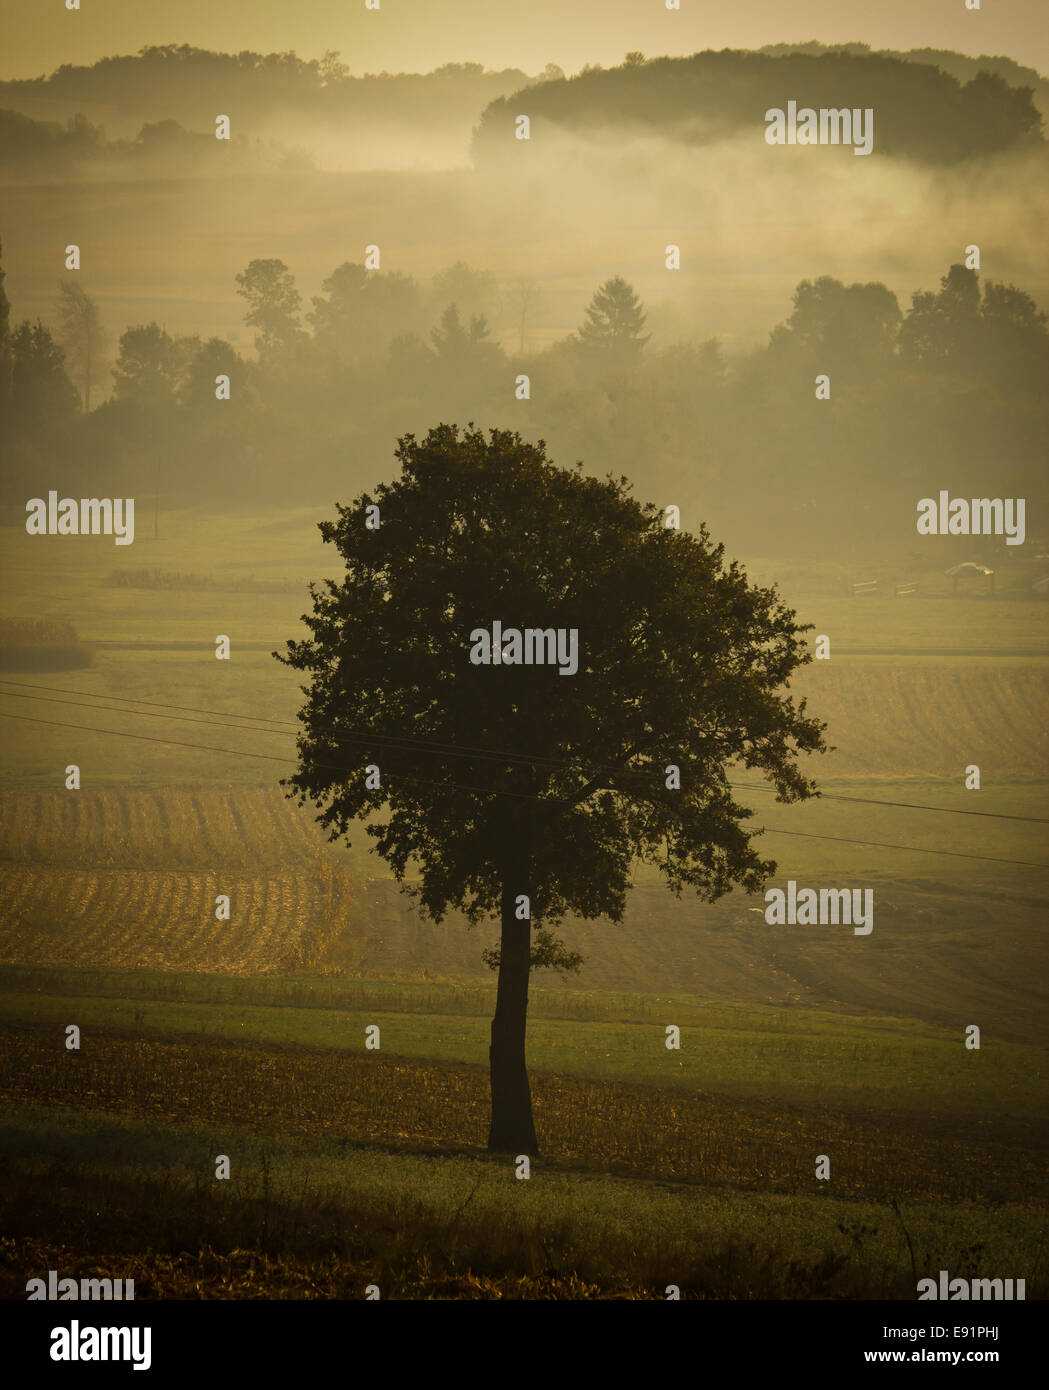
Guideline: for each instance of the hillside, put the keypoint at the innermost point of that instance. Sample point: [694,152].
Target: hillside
[921,112]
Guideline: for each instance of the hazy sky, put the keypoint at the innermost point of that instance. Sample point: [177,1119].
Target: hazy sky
[417,35]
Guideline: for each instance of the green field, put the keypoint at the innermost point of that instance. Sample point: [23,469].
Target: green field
[757,1052]
[313,1218]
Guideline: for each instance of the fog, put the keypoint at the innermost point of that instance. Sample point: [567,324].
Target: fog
[519,235]
[751,221]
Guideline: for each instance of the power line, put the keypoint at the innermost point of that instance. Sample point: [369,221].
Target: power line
[247,728]
[908,805]
[491,791]
[245,753]
[917,849]
[409,742]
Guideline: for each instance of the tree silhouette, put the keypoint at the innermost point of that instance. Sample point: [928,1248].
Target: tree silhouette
[836,323]
[456,344]
[273,304]
[365,309]
[148,366]
[1015,338]
[942,329]
[1001,338]
[614,320]
[500,783]
[42,396]
[203,363]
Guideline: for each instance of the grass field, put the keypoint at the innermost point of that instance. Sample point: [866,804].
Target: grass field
[753,1051]
[889,716]
[316,1217]
[201,1036]
[45,577]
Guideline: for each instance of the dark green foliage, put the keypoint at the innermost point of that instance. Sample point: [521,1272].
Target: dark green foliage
[681,662]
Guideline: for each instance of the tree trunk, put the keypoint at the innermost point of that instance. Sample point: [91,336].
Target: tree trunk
[512,1129]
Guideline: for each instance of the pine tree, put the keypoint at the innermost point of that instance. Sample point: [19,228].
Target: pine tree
[614,320]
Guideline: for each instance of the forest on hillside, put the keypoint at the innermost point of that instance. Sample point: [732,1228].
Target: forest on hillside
[156,109]
[921,112]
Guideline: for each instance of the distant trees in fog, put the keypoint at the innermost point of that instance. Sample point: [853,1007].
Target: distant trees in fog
[273,304]
[913,394]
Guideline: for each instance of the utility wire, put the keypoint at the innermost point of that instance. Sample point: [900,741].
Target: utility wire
[491,791]
[402,743]
[879,844]
[245,753]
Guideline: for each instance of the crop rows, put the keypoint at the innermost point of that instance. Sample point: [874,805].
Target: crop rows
[134,919]
[931,721]
[157,828]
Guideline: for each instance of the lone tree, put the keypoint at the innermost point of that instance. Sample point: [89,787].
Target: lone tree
[521,791]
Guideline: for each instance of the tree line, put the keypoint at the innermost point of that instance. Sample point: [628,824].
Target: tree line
[933,396]
[180,81]
[79,145]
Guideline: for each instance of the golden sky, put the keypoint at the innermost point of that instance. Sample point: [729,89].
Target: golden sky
[417,35]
